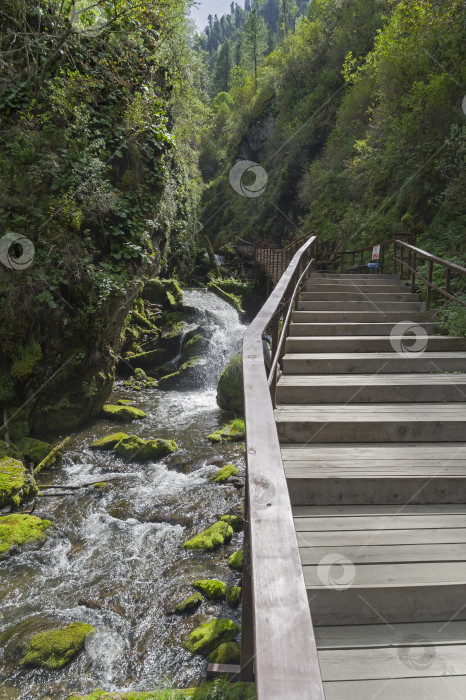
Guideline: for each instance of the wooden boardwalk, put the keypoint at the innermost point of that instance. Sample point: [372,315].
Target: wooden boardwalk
[373,442]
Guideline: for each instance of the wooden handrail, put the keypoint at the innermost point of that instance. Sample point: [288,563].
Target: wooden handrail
[428,256]
[277,626]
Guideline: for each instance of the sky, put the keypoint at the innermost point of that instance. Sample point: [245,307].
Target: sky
[210,7]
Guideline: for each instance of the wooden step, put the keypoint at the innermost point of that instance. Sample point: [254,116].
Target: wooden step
[378,388]
[390,343]
[342,286]
[370,278]
[366,305]
[363,295]
[394,473]
[364,316]
[353,329]
[363,423]
[400,581]
[370,363]
[420,688]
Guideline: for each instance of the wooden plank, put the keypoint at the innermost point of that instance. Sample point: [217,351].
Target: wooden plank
[358,510]
[365,636]
[395,522]
[440,688]
[387,554]
[397,575]
[362,538]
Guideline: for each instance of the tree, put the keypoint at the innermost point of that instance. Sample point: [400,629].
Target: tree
[255,41]
[224,64]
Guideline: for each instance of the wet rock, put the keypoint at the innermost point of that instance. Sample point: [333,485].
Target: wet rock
[227,653]
[230,395]
[55,648]
[232,432]
[194,347]
[15,640]
[226,296]
[233,596]
[122,413]
[236,522]
[36,450]
[236,560]
[188,605]
[133,447]
[139,381]
[109,442]
[223,474]
[18,531]
[123,402]
[92,604]
[189,376]
[16,483]
[208,540]
[207,637]
[212,589]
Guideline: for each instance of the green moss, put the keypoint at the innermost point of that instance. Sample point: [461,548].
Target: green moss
[101,485]
[23,367]
[186,372]
[125,402]
[166,293]
[10,450]
[216,535]
[123,413]
[133,447]
[18,425]
[236,523]
[233,596]
[193,347]
[35,450]
[20,530]
[230,298]
[16,482]
[211,588]
[55,648]
[222,476]
[109,442]
[236,560]
[227,653]
[139,381]
[188,605]
[230,386]
[207,637]
[232,432]
[218,689]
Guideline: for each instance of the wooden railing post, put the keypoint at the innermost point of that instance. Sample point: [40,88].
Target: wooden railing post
[247,611]
[429,287]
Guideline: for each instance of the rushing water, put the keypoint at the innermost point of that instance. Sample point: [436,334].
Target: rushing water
[119,563]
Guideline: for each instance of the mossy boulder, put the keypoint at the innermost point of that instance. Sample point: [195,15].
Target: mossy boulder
[207,637]
[236,522]
[124,402]
[16,483]
[55,648]
[233,596]
[165,293]
[224,474]
[194,347]
[18,425]
[139,381]
[149,358]
[17,531]
[236,560]
[188,605]
[126,414]
[35,450]
[189,375]
[9,450]
[232,432]
[109,442]
[227,653]
[211,588]
[230,395]
[219,533]
[133,447]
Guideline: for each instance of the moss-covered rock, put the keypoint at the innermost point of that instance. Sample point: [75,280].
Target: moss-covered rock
[9,450]
[232,299]
[122,413]
[18,425]
[219,533]
[233,596]
[188,375]
[232,432]
[211,588]
[230,395]
[35,450]
[149,358]
[166,293]
[227,653]
[139,381]
[236,522]
[109,442]
[224,474]
[132,447]
[124,402]
[207,637]
[236,560]
[206,691]
[194,347]
[188,605]
[17,531]
[55,648]
[16,483]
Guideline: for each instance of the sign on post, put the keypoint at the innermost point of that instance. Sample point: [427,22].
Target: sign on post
[376,252]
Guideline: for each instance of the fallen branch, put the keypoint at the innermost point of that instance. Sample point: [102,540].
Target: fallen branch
[80,486]
[50,459]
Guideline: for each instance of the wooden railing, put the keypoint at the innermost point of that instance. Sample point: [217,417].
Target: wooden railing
[344,260]
[278,645]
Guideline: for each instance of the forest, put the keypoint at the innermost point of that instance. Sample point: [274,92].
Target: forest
[121,123]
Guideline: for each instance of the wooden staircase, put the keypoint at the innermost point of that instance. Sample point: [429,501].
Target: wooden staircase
[373,440]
